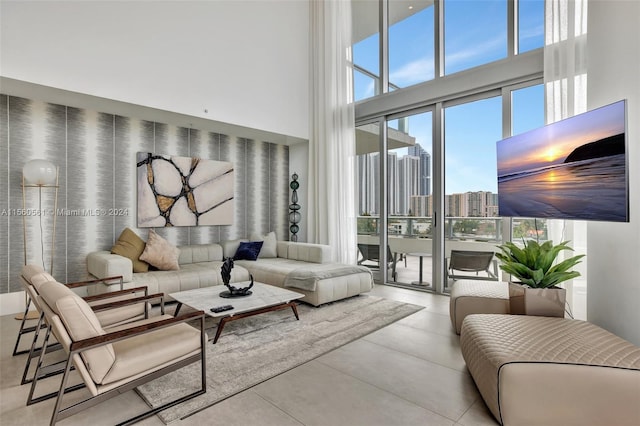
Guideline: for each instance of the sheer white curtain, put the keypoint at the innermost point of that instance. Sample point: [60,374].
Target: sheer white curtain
[565,80]
[565,58]
[331,214]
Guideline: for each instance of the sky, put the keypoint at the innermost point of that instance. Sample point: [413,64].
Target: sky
[475,34]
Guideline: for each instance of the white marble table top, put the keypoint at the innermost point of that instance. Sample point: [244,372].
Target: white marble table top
[264,295]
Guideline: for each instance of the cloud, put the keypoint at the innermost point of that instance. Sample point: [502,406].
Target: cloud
[414,72]
[532,32]
[455,58]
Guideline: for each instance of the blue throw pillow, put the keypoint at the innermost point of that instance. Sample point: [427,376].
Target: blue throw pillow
[248,251]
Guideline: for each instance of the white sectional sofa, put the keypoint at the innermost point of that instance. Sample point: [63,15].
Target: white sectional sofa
[304,267]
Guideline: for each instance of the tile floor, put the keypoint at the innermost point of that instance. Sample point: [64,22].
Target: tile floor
[408,373]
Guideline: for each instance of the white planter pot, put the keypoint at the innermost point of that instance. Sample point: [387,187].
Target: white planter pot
[545,302]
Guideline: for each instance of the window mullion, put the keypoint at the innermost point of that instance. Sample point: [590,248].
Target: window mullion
[384,45]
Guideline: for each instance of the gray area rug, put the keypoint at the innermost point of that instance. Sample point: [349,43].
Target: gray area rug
[254,349]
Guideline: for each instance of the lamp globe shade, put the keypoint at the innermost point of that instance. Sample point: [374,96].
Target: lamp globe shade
[39,172]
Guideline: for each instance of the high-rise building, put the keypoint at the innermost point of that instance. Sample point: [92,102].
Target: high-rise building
[425,168]
[408,182]
[408,176]
[369,183]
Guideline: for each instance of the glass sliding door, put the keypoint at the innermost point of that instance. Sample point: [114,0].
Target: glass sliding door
[368,196]
[409,200]
[471,201]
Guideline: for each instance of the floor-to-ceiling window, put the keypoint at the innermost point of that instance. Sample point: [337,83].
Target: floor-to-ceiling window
[475,33]
[409,189]
[411,43]
[366,49]
[438,59]
[471,130]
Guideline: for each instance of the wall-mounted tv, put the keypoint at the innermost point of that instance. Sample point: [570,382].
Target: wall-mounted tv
[575,168]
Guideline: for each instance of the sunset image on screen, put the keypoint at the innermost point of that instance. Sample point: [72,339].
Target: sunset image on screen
[574,168]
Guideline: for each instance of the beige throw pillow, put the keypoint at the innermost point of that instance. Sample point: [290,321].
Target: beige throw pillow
[160,253]
[269,246]
[131,246]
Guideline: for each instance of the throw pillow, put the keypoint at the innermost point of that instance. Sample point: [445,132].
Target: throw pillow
[229,248]
[131,246]
[160,253]
[248,251]
[270,246]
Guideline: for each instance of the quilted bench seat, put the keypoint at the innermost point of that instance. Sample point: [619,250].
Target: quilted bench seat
[477,297]
[552,371]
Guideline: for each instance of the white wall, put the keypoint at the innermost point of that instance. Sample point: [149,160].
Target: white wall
[613,296]
[245,62]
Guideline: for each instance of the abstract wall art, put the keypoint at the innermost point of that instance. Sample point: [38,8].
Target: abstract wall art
[183,191]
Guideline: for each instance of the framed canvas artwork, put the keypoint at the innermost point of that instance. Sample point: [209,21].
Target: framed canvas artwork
[183,191]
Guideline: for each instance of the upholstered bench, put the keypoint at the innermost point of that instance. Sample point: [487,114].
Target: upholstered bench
[477,297]
[552,371]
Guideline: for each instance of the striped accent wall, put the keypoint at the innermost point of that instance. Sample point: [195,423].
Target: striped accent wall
[96,155]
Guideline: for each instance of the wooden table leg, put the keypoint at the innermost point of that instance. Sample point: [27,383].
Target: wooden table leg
[295,309]
[221,324]
[225,320]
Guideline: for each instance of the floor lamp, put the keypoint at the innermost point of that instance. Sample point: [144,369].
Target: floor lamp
[43,175]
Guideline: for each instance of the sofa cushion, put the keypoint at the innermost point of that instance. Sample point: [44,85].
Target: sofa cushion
[196,253]
[270,243]
[229,248]
[160,253]
[306,252]
[131,246]
[248,250]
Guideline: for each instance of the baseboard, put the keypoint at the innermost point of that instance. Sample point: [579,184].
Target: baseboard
[12,303]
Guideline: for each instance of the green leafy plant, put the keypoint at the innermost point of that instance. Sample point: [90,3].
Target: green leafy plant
[533,264]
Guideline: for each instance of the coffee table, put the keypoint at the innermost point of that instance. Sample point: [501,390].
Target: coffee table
[265,298]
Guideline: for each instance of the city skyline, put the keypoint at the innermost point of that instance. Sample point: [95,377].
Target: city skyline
[409,191]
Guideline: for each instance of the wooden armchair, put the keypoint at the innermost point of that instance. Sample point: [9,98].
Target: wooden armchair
[110,363]
[33,277]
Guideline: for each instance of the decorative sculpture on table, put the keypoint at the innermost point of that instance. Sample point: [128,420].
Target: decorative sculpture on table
[225,272]
[294,215]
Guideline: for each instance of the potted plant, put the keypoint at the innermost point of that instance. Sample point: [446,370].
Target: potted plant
[536,292]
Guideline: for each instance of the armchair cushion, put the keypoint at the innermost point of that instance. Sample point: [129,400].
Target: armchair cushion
[35,275]
[160,253]
[81,323]
[148,351]
[131,246]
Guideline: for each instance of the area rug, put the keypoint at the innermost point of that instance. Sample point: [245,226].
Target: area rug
[254,349]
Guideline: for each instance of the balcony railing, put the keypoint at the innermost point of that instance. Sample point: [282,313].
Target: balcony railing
[486,229]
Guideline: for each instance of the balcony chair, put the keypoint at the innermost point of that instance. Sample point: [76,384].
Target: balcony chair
[472,261]
[112,362]
[371,253]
